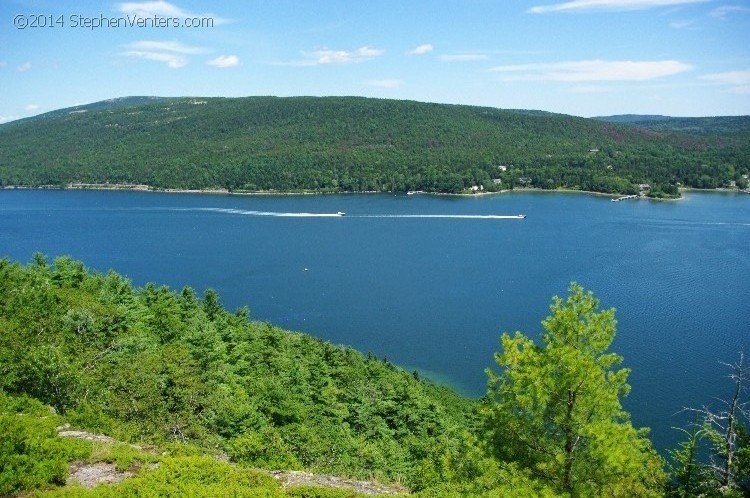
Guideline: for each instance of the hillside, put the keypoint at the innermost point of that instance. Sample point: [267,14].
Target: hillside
[351,144]
[737,126]
[158,367]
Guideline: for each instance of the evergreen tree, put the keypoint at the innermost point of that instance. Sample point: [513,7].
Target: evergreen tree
[555,409]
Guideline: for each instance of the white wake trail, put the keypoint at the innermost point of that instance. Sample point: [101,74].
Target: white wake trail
[263,213]
[457,216]
[340,214]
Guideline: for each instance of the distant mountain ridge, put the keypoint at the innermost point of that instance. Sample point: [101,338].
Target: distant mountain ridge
[632,118]
[698,125]
[101,105]
[351,144]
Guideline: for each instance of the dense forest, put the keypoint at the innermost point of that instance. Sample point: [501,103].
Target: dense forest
[350,144]
[196,400]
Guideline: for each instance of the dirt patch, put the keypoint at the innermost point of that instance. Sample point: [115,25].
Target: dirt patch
[291,478]
[92,474]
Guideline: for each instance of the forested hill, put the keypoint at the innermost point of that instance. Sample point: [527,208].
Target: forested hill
[335,144]
[721,125]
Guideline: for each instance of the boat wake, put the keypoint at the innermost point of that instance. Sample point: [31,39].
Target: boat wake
[456,216]
[341,214]
[265,213]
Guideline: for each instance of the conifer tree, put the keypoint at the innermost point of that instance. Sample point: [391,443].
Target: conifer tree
[555,409]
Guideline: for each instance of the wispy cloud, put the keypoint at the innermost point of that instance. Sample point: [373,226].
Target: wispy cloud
[172,53]
[31,108]
[163,9]
[166,46]
[172,60]
[22,68]
[739,81]
[589,89]
[610,5]
[425,48]
[324,56]
[5,118]
[726,11]
[682,23]
[464,57]
[592,70]
[224,61]
[389,83]
[3,63]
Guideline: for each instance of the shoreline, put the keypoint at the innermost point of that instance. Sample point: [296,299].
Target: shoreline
[123,187]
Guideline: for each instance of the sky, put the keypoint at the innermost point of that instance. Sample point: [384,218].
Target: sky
[580,57]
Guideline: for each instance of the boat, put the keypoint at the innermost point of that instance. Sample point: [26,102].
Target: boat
[522,216]
[341,213]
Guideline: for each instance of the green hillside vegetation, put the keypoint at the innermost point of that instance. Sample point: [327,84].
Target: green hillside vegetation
[350,144]
[717,125]
[213,398]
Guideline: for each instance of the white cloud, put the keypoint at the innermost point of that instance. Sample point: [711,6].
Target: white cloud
[24,67]
[738,80]
[172,60]
[587,89]
[392,83]
[464,57]
[165,46]
[617,5]
[31,108]
[325,56]
[172,53]
[163,9]
[425,48]
[224,61]
[592,70]
[725,10]
[6,118]
[681,24]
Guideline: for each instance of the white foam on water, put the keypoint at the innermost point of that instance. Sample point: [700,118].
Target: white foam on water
[337,215]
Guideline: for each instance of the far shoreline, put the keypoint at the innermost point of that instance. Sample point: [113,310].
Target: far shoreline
[121,187]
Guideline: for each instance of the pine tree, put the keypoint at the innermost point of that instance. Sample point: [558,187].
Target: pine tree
[555,409]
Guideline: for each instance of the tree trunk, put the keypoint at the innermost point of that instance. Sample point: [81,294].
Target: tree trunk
[731,435]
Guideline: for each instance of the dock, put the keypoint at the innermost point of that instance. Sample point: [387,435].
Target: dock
[625,198]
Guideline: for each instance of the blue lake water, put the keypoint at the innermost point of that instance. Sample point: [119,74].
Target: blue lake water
[435,293]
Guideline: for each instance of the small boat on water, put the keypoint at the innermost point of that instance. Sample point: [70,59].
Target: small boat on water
[522,216]
[341,213]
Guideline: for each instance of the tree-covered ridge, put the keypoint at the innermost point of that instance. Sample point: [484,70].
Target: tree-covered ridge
[352,144]
[158,366]
[712,125]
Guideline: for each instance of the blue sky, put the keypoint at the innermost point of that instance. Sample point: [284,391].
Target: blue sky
[580,57]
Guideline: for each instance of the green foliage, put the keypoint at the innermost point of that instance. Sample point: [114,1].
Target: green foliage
[153,366]
[715,458]
[185,476]
[690,476]
[124,456]
[347,144]
[555,409]
[31,454]
[316,492]
[263,449]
